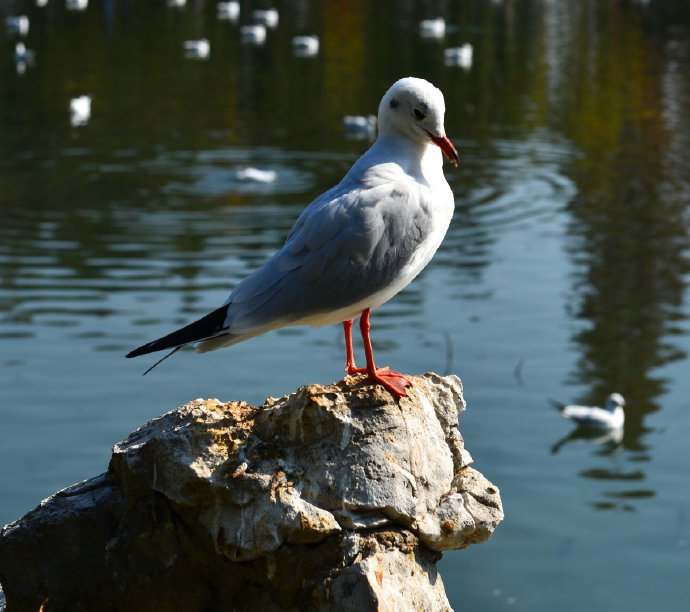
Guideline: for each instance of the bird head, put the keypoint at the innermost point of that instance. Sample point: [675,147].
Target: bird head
[414,108]
[614,400]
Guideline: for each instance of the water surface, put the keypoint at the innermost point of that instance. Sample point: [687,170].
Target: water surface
[564,273]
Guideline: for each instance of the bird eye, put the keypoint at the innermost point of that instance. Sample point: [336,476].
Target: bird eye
[418,114]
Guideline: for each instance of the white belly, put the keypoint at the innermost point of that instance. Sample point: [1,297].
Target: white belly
[418,262]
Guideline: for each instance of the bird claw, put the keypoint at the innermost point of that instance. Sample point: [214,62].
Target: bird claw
[395,382]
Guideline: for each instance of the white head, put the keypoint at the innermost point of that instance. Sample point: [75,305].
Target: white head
[414,108]
[614,400]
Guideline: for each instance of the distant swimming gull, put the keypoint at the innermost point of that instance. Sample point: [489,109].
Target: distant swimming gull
[17,24]
[355,246]
[76,5]
[254,34]
[197,49]
[611,416]
[432,28]
[22,54]
[23,57]
[305,46]
[257,175]
[360,127]
[459,56]
[266,17]
[228,10]
[80,110]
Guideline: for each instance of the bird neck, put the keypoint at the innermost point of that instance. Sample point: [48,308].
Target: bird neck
[418,158]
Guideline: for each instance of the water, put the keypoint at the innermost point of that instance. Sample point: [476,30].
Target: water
[564,273]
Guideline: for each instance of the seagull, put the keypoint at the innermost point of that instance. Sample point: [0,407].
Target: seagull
[76,5]
[23,57]
[432,28]
[17,24]
[611,416]
[229,11]
[305,46]
[80,110]
[359,127]
[254,34]
[355,246]
[459,56]
[22,54]
[197,49]
[266,17]
[256,174]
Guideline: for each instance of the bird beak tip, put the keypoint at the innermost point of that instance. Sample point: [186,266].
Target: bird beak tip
[447,148]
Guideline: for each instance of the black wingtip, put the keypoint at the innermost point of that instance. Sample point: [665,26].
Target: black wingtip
[207,326]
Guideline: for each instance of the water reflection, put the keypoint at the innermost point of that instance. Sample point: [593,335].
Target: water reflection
[627,234]
[608,442]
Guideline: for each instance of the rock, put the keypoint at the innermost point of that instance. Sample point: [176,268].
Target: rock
[333,498]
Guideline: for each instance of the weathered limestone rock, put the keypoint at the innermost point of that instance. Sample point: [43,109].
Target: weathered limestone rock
[333,497]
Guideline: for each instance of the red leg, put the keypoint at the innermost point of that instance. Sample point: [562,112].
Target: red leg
[393,381]
[350,366]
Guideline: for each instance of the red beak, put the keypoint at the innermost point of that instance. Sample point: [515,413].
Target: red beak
[446,147]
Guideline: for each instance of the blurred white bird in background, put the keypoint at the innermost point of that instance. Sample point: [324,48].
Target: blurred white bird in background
[197,49]
[611,416]
[266,17]
[229,11]
[254,34]
[432,28]
[76,5]
[256,174]
[23,57]
[79,110]
[305,46]
[459,56]
[359,127]
[17,24]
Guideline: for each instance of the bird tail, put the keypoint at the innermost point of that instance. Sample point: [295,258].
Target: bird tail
[207,327]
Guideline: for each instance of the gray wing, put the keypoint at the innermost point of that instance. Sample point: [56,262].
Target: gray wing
[347,245]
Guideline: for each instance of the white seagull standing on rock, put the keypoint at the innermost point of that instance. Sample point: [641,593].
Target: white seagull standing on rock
[611,416]
[354,247]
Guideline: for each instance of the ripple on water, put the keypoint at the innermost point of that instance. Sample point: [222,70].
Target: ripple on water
[522,186]
[214,172]
[194,244]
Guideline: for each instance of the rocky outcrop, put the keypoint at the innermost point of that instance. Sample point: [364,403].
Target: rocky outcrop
[333,497]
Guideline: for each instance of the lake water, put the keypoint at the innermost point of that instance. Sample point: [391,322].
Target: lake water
[564,273]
